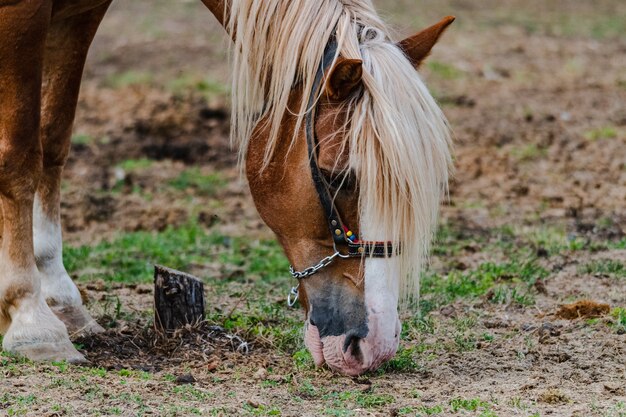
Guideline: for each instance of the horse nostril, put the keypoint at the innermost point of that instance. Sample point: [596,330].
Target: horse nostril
[352,339]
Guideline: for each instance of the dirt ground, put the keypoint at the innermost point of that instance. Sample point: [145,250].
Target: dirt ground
[536,95]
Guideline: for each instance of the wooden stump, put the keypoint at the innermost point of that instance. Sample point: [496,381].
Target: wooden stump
[178,299]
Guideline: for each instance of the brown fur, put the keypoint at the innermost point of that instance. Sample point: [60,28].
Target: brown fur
[305,239]
[14,294]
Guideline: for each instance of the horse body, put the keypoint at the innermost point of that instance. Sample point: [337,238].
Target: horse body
[351,305]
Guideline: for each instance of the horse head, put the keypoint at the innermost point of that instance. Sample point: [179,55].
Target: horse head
[347,156]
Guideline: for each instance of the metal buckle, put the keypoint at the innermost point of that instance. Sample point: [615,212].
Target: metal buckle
[293,296]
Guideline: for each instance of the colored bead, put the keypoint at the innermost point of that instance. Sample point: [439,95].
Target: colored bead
[334,222]
[352,238]
[338,232]
[360,249]
[349,234]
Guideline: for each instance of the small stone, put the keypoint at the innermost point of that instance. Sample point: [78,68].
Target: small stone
[260,374]
[253,404]
[185,379]
[213,365]
[613,388]
[144,289]
[540,286]
[276,378]
[448,311]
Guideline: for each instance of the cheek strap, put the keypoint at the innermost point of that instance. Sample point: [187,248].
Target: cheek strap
[340,233]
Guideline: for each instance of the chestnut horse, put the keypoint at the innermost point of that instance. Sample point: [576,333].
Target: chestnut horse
[346,153]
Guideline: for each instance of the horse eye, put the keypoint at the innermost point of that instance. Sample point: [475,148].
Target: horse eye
[344,181]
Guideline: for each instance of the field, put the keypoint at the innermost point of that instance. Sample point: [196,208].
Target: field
[536,221]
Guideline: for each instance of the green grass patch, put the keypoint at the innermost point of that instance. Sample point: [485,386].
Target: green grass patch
[452,240]
[130,257]
[193,178]
[554,240]
[128,78]
[407,359]
[360,399]
[604,267]
[528,152]
[620,244]
[600,133]
[473,404]
[303,360]
[430,411]
[444,70]
[270,322]
[82,139]
[206,86]
[131,165]
[17,405]
[619,314]
[261,410]
[439,290]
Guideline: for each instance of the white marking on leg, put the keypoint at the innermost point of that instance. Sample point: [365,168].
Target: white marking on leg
[32,329]
[56,284]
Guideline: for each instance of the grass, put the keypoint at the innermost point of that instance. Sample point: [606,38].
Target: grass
[18,405]
[128,78]
[193,178]
[619,315]
[601,133]
[604,267]
[82,139]
[132,165]
[188,82]
[130,257]
[444,70]
[527,152]
[253,275]
[510,282]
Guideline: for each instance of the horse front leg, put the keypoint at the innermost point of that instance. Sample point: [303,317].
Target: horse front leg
[29,326]
[67,45]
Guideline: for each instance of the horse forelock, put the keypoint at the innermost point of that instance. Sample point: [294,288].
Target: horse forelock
[398,137]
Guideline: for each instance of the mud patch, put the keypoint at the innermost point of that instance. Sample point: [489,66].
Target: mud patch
[584,309]
[138,346]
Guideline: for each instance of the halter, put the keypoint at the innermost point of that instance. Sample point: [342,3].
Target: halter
[340,233]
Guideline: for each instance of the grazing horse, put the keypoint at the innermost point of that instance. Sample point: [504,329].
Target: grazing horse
[346,152]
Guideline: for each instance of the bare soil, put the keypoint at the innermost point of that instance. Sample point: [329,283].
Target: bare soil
[540,130]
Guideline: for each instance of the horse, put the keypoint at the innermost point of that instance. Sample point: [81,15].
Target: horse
[346,153]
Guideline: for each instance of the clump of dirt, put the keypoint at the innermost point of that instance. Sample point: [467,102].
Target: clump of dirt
[139,346]
[553,396]
[583,309]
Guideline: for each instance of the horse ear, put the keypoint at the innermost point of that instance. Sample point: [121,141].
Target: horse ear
[219,8]
[418,46]
[343,78]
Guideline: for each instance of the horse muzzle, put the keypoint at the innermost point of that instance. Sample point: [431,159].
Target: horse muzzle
[352,354]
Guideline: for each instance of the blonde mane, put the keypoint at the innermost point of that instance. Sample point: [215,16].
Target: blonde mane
[398,137]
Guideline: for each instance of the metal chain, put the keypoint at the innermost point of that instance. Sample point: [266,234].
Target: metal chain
[312,270]
[294,293]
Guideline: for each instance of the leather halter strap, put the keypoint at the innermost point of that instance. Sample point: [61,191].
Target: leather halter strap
[336,227]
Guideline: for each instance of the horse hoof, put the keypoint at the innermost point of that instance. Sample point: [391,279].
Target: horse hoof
[77,320]
[49,352]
